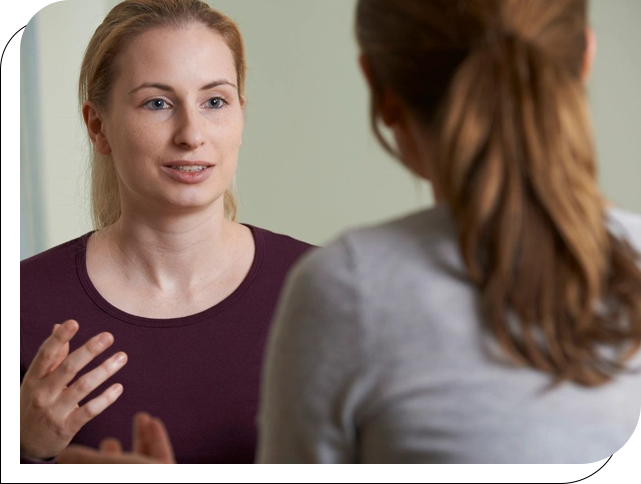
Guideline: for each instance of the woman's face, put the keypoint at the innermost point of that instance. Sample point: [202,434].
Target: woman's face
[175,120]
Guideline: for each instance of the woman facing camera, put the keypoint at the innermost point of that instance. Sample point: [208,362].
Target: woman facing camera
[183,292]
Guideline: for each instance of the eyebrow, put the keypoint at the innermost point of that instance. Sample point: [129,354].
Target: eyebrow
[164,87]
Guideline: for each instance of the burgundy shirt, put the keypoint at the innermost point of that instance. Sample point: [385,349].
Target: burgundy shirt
[199,374]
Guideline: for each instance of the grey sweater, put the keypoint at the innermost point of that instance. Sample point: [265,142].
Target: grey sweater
[377,356]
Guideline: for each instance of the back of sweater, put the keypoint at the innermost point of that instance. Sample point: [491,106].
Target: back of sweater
[377,355]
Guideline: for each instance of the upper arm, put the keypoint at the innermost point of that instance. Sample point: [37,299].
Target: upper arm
[310,387]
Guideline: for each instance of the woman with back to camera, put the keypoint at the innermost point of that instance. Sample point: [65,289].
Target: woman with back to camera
[500,326]
[169,278]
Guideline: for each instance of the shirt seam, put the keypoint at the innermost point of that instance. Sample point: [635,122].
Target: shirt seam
[172,322]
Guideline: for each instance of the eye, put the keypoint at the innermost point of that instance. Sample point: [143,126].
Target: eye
[157,104]
[161,104]
[215,103]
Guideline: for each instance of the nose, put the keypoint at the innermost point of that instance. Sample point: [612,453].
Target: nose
[189,132]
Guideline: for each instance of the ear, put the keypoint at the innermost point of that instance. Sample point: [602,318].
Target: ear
[366,69]
[95,127]
[387,103]
[590,54]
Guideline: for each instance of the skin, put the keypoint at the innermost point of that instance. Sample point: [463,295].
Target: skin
[49,412]
[150,445]
[414,148]
[172,253]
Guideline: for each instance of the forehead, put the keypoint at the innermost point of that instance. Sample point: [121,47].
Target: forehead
[176,56]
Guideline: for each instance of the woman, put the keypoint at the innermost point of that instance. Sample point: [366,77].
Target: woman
[182,291]
[499,326]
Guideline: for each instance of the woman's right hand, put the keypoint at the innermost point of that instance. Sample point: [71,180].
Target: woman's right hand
[49,412]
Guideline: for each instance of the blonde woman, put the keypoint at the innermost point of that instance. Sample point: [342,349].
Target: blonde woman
[502,325]
[182,292]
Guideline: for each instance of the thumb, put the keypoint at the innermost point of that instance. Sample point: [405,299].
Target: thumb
[158,444]
[62,354]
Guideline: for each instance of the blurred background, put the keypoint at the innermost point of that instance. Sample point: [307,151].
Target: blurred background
[309,166]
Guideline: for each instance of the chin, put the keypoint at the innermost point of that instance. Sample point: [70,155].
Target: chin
[194,201]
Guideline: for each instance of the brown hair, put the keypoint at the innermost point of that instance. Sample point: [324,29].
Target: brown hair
[124,22]
[498,83]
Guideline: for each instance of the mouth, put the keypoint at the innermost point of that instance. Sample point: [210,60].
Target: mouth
[189,166]
[190,169]
[190,172]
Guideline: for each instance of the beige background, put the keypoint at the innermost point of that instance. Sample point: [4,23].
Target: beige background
[309,166]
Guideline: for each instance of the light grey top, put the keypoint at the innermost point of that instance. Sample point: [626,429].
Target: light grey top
[375,356]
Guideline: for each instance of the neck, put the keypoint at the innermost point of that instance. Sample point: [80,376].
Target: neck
[171,252]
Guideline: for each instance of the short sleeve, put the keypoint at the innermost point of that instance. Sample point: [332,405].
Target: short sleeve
[312,385]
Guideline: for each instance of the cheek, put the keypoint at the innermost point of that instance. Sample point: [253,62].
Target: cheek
[227,138]
[401,143]
[127,140]
[406,149]
[132,150]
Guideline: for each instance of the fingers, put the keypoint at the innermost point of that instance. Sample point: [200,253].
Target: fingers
[80,416]
[151,434]
[110,446]
[139,443]
[48,352]
[88,382]
[151,438]
[62,354]
[77,454]
[77,360]
[159,445]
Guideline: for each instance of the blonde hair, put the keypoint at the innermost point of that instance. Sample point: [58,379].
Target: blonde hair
[124,22]
[498,83]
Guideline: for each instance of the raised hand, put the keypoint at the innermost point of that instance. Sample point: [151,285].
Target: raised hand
[151,445]
[49,412]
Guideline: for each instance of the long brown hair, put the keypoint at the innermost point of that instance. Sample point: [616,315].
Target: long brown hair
[499,84]
[125,21]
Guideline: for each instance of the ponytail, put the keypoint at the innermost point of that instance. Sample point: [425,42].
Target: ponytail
[498,85]
[516,164]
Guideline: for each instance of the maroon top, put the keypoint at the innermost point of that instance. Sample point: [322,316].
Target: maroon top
[199,373]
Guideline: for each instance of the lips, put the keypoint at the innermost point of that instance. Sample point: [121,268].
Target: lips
[188,164]
[189,177]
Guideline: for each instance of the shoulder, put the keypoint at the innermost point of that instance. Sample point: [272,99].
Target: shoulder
[372,258]
[432,227]
[279,241]
[421,241]
[48,280]
[626,224]
[52,262]
[279,249]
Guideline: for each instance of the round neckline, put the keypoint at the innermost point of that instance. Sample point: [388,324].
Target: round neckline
[87,284]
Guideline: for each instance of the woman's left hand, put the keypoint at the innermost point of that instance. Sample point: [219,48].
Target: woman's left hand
[151,445]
